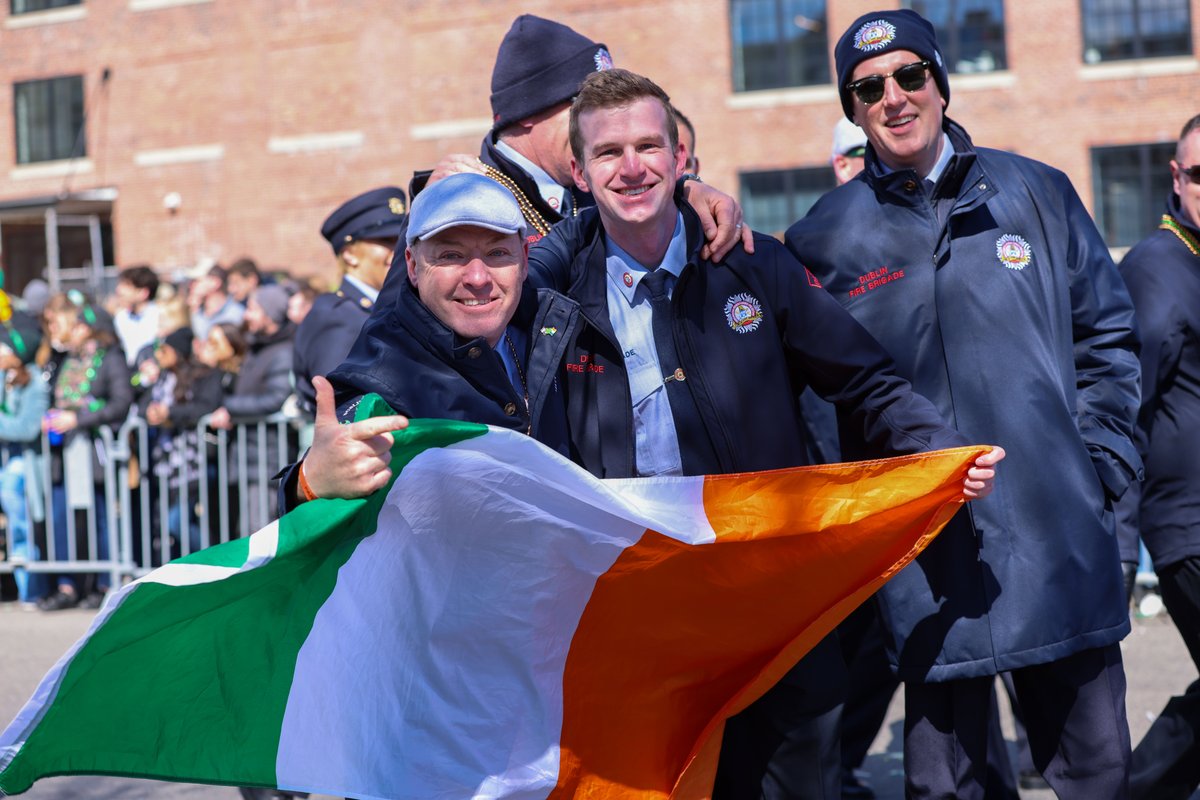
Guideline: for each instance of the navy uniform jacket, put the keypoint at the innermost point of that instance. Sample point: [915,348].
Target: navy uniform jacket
[745,378]
[1163,276]
[326,336]
[1007,312]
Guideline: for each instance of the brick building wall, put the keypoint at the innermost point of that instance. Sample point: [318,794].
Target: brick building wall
[263,115]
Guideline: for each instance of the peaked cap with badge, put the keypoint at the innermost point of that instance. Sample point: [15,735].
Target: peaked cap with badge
[880,32]
[377,214]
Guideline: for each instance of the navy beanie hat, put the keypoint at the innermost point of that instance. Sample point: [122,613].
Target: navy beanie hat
[879,32]
[540,64]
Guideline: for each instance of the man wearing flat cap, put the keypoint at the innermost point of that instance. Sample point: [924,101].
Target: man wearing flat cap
[934,238]
[465,339]
[362,232]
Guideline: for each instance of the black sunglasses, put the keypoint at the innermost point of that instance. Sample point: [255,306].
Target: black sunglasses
[1193,172]
[910,78]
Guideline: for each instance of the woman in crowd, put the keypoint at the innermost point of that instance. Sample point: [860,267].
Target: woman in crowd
[92,388]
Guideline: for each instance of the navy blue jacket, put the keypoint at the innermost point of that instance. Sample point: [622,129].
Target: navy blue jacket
[1007,312]
[424,370]
[1163,276]
[326,335]
[745,383]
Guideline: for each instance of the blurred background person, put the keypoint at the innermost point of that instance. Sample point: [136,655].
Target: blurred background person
[210,303]
[849,150]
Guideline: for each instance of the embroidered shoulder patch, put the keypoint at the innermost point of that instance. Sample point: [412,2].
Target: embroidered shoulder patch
[1013,251]
[743,312]
[874,35]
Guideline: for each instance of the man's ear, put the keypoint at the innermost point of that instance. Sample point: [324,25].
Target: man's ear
[411,264]
[577,174]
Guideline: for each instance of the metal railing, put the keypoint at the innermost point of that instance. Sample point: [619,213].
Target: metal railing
[118,504]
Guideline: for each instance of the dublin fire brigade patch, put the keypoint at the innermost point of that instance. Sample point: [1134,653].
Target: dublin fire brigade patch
[1013,251]
[874,35]
[743,312]
[603,59]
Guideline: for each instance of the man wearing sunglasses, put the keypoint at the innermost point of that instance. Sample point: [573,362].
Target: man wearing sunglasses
[1163,275]
[930,243]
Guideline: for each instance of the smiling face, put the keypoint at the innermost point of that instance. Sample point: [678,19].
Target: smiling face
[628,162]
[905,128]
[470,278]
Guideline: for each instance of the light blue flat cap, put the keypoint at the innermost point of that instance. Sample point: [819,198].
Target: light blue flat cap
[463,199]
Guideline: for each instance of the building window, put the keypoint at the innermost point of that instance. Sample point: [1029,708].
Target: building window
[772,201]
[970,32]
[29,6]
[1117,29]
[1131,185]
[778,43]
[49,119]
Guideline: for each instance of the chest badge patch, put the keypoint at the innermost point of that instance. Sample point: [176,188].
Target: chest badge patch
[1013,251]
[743,312]
[874,35]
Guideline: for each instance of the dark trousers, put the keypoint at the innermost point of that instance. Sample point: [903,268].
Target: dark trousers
[1074,712]
[871,682]
[785,744]
[1166,763]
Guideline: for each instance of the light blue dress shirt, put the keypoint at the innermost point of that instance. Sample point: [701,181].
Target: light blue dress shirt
[657,444]
[550,190]
[371,292]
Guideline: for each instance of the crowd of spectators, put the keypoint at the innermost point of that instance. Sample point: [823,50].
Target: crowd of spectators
[188,359]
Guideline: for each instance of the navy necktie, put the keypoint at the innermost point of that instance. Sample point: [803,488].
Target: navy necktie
[694,447]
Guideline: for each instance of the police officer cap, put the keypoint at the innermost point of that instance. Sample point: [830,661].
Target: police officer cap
[377,214]
[464,199]
[881,32]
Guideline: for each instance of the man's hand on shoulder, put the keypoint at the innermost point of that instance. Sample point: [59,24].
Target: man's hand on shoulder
[721,217]
[455,163]
[351,460]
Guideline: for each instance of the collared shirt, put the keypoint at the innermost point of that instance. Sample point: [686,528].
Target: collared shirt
[550,190]
[629,310]
[371,292]
[939,166]
[513,340]
[136,330]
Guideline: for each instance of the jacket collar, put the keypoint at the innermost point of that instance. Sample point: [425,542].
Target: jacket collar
[1175,211]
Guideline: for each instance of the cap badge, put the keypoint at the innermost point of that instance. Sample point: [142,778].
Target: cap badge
[1013,251]
[743,312]
[628,279]
[603,60]
[874,35]
[396,205]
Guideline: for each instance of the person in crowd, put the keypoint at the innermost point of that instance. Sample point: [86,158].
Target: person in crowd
[670,336]
[849,150]
[136,317]
[24,400]
[1163,275]
[301,302]
[362,232]
[210,302]
[950,237]
[263,385]
[242,280]
[34,297]
[91,389]
[687,138]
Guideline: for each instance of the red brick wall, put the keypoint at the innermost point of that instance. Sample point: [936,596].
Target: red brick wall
[237,73]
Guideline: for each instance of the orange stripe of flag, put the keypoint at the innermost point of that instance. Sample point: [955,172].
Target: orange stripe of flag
[677,637]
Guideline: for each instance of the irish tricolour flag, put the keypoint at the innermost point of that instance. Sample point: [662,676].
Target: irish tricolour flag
[496,623]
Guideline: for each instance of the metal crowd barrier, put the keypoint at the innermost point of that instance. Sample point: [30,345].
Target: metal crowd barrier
[150,509]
